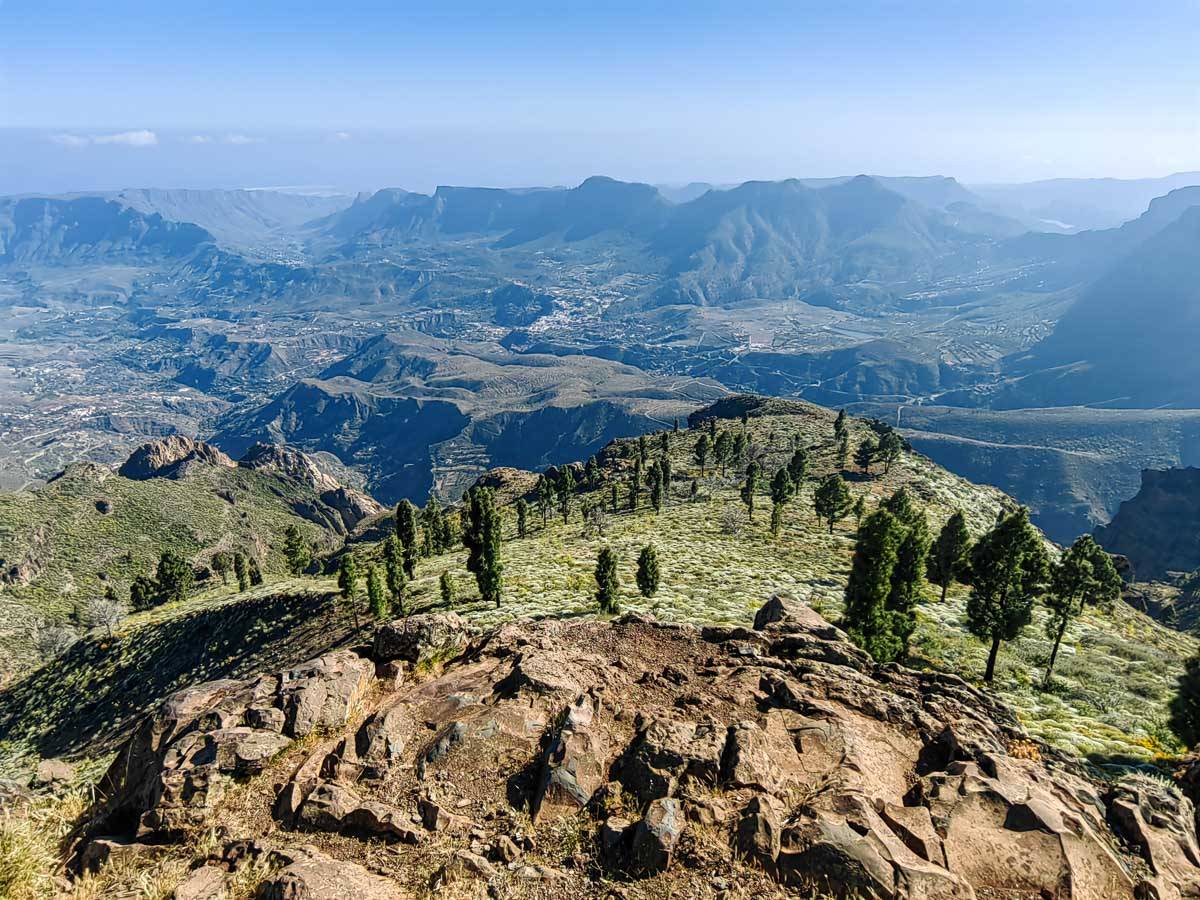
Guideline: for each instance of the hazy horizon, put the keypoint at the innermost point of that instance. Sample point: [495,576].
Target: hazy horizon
[371,95]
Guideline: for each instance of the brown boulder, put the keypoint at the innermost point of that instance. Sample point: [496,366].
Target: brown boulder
[421,639]
[312,875]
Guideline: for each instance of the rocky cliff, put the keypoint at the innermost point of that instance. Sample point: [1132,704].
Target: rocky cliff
[1159,528]
[582,758]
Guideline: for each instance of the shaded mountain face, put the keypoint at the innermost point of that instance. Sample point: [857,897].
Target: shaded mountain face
[1130,338]
[416,415]
[1157,528]
[89,229]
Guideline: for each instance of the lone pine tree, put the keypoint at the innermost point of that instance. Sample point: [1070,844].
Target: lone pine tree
[607,584]
[647,571]
[949,557]
[1009,571]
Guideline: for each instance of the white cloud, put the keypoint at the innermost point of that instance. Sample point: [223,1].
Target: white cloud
[341,135]
[141,138]
[240,139]
[198,139]
[69,140]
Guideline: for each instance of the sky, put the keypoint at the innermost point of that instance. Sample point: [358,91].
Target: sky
[358,94]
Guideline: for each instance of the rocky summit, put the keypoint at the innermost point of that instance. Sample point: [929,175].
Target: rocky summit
[631,758]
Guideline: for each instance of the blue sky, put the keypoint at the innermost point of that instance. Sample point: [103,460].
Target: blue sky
[362,94]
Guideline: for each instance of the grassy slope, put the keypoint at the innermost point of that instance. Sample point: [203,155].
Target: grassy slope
[1108,700]
[74,543]
[1114,675]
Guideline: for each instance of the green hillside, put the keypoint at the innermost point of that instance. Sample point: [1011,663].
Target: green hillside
[1107,701]
[63,543]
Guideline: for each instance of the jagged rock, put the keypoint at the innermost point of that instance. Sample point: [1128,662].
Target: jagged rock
[851,848]
[312,875]
[169,456]
[757,836]
[421,638]
[782,607]
[506,849]
[351,505]
[52,772]
[104,851]
[320,694]
[382,739]
[1160,824]
[436,817]
[464,863]
[655,837]
[831,775]
[762,758]
[573,768]
[332,807]
[266,718]
[205,883]
[289,463]
[669,751]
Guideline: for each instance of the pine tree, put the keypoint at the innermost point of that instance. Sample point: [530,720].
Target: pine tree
[256,575]
[907,578]
[866,618]
[782,491]
[607,584]
[749,486]
[664,475]
[222,563]
[843,450]
[890,448]
[859,510]
[296,549]
[798,466]
[566,492]
[614,497]
[393,567]
[722,451]
[241,571]
[433,527]
[839,426]
[406,531]
[1184,710]
[522,512]
[902,506]
[737,450]
[376,595]
[647,571]
[656,488]
[1009,570]
[643,449]
[865,454]
[676,429]
[482,539]
[950,554]
[832,499]
[174,577]
[701,451]
[545,498]
[446,588]
[1085,575]
[664,442]
[143,593]
[348,584]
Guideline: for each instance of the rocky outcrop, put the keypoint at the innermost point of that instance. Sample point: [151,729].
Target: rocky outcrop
[1156,528]
[774,756]
[337,507]
[169,457]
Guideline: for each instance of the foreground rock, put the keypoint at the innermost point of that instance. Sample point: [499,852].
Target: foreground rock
[550,758]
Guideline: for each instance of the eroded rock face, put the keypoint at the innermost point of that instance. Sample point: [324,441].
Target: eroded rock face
[784,745]
[169,456]
[422,638]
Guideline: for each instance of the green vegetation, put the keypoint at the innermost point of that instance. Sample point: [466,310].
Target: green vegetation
[949,558]
[607,583]
[647,571]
